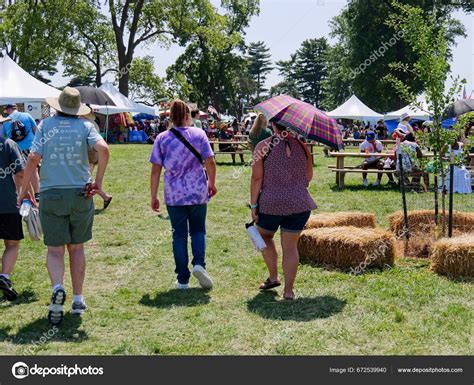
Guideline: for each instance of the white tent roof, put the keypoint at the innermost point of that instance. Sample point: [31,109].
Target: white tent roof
[121,100]
[354,109]
[18,86]
[414,111]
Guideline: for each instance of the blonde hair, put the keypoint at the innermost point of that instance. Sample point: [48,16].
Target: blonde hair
[260,123]
[179,112]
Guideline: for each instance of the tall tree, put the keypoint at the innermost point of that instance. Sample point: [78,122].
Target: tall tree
[260,65]
[311,70]
[138,22]
[371,46]
[212,70]
[90,50]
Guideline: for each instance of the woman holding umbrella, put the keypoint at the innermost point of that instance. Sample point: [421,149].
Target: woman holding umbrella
[281,172]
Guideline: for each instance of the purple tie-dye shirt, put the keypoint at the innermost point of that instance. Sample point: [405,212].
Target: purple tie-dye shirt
[185,179]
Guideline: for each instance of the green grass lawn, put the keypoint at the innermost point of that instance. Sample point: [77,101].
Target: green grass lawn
[133,308]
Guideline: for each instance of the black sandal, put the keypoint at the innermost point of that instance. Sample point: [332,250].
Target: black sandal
[107,202]
[269,284]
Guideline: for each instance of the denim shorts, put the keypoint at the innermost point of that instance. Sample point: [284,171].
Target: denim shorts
[289,223]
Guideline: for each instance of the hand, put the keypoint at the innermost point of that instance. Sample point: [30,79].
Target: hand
[155,204]
[29,196]
[254,215]
[212,190]
[95,188]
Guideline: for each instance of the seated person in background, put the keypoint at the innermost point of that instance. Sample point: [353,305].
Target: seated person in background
[355,131]
[371,146]
[224,136]
[411,151]
[403,127]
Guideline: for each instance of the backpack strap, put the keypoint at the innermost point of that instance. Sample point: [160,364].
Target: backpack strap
[188,145]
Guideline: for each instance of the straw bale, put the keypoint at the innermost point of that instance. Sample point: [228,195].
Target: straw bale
[338,219]
[347,247]
[454,257]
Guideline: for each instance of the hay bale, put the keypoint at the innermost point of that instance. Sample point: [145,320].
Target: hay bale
[338,219]
[347,247]
[423,221]
[454,257]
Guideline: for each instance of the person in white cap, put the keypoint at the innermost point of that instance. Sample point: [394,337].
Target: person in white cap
[404,127]
[66,209]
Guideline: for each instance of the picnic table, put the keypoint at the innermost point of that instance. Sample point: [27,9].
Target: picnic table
[243,148]
[341,170]
[353,141]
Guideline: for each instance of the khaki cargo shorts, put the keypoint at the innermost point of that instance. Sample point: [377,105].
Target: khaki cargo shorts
[66,217]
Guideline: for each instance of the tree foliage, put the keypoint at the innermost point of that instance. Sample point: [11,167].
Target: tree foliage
[145,85]
[369,46]
[259,66]
[212,69]
[25,27]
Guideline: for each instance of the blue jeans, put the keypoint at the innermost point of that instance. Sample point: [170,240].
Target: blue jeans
[182,218]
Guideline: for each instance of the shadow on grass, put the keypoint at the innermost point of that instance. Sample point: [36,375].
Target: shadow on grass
[41,332]
[26,296]
[167,299]
[266,305]
[358,188]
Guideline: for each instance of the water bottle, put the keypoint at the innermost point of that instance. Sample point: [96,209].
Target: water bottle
[25,207]
[255,236]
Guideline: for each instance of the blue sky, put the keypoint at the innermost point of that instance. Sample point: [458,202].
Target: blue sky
[284,24]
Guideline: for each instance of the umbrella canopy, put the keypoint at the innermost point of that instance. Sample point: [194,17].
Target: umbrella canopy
[121,100]
[458,108]
[91,95]
[354,109]
[303,118]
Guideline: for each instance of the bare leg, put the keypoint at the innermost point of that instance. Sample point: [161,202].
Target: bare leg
[77,262]
[55,264]
[270,255]
[365,166]
[10,256]
[289,244]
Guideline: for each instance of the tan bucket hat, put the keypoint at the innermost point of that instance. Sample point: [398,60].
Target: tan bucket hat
[69,102]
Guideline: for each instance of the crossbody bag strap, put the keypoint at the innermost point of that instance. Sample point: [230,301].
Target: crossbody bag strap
[189,146]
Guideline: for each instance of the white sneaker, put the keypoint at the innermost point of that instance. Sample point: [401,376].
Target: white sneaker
[377,183]
[366,182]
[182,286]
[203,277]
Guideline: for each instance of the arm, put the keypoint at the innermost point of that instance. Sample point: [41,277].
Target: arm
[154,186]
[211,168]
[256,183]
[103,154]
[31,166]
[309,167]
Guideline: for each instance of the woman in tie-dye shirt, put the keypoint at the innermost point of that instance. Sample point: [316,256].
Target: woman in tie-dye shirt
[188,189]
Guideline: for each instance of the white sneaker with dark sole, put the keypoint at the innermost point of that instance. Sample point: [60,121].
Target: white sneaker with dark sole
[78,308]
[56,311]
[203,277]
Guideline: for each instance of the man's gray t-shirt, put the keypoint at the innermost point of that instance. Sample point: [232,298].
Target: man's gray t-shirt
[11,162]
[63,142]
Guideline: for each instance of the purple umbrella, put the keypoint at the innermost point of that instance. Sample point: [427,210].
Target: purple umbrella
[303,118]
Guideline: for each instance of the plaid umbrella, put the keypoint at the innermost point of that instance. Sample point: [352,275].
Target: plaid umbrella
[303,118]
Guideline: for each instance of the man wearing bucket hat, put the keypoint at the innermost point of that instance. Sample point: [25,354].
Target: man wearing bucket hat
[66,208]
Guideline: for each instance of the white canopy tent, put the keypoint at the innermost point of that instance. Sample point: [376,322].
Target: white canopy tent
[413,110]
[121,101]
[18,86]
[354,109]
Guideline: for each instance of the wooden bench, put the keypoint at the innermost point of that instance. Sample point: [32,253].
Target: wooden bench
[341,173]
